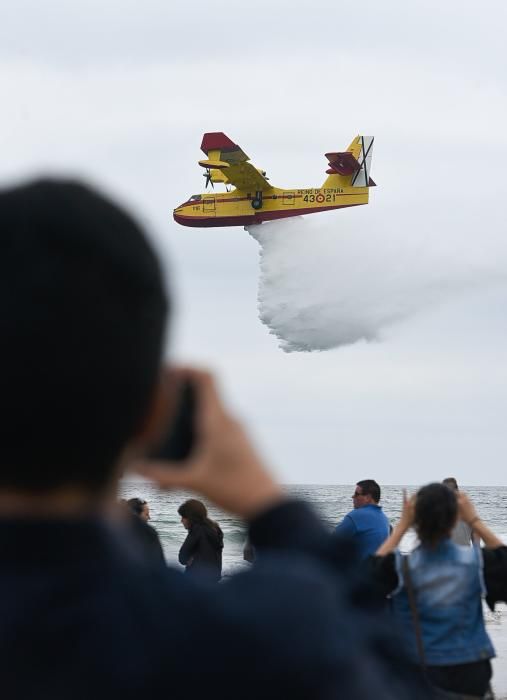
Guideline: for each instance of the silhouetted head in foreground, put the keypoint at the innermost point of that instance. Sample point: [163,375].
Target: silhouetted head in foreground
[436,511]
[82,321]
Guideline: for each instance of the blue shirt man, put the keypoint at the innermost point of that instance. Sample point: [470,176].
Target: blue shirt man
[367,524]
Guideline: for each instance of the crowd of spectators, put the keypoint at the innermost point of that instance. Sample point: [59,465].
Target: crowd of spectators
[84,613]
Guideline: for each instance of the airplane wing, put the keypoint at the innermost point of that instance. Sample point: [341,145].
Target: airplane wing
[244,176]
[226,156]
[218,146]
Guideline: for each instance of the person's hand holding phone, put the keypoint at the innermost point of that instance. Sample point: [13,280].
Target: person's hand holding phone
[222,465]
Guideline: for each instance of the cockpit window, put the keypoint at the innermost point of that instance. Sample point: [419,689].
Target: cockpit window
[195,197]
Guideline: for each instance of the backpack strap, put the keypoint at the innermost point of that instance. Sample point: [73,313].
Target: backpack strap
[413,609]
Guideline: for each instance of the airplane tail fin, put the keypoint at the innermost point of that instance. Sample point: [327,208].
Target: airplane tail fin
[351,168]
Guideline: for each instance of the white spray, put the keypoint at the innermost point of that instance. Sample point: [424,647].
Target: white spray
[329,283]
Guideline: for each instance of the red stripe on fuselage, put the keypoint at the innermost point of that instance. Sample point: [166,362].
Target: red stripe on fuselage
[248,220]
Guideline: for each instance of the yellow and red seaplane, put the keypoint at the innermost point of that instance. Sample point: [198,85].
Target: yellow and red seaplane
[255,200]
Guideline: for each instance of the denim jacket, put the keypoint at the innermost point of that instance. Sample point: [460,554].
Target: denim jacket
[448,584]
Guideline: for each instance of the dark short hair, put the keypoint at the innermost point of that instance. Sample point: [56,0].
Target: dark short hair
[436,510]
[451,483]
[369,487]
[136,505]
[82,320]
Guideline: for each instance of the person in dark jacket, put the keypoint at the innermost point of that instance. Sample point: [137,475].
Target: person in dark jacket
[144,535]
[140,507]
[84,393]
[201,552]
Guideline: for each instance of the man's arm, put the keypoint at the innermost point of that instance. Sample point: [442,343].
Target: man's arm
[401,527]
[347,527]
[306,630]
[290,525]
[292,613]
[468,513]
[223,465]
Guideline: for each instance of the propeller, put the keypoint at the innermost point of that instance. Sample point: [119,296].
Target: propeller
[207,175]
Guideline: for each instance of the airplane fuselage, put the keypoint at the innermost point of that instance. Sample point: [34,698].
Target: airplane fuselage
[238,208]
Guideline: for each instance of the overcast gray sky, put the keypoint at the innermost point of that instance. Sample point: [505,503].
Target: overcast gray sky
[121,93]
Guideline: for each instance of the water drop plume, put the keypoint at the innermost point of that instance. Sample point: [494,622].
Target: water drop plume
[325,284]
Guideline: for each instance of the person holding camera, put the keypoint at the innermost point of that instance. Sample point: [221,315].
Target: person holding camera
[85,395]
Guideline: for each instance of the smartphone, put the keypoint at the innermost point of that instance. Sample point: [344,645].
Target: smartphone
[178,443]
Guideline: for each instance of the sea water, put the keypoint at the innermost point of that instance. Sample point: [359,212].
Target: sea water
[331,502]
